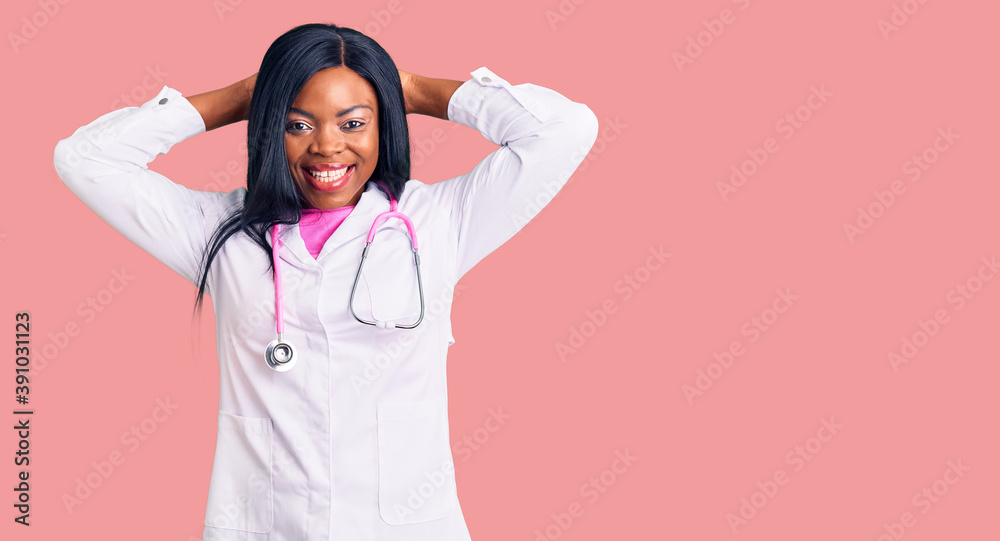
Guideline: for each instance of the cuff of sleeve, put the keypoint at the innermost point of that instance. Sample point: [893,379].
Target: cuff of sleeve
[468,100]
[184,119]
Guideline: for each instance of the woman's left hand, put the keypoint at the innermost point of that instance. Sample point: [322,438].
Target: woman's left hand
[406,78]
[426,95]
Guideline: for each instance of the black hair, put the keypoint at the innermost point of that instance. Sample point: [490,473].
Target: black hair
[272,196]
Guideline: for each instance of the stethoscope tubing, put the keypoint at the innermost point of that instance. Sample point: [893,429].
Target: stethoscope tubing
[280,355]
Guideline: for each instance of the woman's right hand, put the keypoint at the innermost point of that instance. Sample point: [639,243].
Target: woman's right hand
[225,105]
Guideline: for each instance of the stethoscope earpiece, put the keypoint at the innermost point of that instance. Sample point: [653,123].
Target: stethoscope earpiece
[280,355]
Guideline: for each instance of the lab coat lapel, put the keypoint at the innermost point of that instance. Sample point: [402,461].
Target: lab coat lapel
[293,248]
[357,224]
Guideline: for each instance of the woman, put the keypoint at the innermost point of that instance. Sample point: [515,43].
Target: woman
[344,433]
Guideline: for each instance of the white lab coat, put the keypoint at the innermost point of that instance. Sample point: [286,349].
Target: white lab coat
[352,443]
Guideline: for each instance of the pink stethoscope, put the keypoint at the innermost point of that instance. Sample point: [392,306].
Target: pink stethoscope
[280,355]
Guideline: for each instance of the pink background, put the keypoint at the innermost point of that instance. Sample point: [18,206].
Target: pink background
[669,136]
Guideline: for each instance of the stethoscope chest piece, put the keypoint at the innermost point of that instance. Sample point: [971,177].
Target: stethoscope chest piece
[280,356]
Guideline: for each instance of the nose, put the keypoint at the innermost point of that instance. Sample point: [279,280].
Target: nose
[327,141]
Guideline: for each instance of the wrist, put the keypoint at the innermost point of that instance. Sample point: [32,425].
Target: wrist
[244,94]
[430,96]
[226,105]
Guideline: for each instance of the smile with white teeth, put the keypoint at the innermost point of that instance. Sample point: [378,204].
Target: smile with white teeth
[329,176]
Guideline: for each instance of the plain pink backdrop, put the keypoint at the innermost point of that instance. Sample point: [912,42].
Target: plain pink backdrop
[672,129]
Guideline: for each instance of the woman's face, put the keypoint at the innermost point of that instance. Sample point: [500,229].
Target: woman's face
[331,137]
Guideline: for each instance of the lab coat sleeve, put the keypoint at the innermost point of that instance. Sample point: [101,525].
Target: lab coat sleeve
[105,164]
[543,138]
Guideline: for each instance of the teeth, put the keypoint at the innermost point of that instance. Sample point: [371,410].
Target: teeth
[329,176]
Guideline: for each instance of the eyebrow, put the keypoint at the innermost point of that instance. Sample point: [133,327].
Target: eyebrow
[340,114]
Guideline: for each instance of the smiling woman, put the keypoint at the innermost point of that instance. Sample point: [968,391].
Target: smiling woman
[308,453]
[332,152]
[310,79]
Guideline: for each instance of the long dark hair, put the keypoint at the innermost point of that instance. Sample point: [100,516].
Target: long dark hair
[289,62]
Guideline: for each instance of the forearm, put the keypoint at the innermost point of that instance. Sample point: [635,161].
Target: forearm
[106,165]
[225,105]
[429,96]
[542,138]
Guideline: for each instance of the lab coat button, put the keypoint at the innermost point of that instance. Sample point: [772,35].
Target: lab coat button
[163,100]
[486,80]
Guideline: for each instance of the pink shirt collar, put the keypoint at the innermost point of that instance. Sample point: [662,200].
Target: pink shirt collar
[317,225]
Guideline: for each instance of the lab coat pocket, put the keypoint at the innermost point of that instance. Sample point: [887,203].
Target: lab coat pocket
[240,493]
[416,475]
[390,278]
